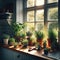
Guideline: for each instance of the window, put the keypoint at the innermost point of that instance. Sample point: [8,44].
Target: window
[42,13]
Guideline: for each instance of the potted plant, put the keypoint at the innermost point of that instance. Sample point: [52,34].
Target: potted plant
[16,28]
[32,40]
[25,43]
[15,45]
[29,34]
[51,37]
[37,45]
[39,36]
[46,51]
[44,44]
[11,41]
[5,38]
[52,40]
[22,35]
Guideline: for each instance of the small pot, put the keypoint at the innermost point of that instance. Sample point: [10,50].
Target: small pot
[45,51]
[5,41]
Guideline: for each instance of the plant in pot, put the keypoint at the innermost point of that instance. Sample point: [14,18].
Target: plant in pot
[5,38]
[39,36]
[22,35]
[29,34]
[52,41]
[25,43]
[16,28]
[46,51]
[32,40]
[15,45]
[11,41]
[44,44]
[37,45]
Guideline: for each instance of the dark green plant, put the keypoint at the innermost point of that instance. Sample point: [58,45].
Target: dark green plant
[44,44]
[6,36]
[29,33]
[25,42]
[46,51]
[15,44]
[22,35]
[52,35]
[12,40]
[37,45]
[39,35]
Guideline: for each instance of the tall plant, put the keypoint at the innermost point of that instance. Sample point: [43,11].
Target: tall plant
[39,35]
[52,35]
[52,41]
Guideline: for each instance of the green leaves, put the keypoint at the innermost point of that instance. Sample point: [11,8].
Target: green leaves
[17,27]
[39,35]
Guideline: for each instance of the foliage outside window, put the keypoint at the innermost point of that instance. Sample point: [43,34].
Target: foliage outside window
[30,3]
[30,16]
[53,14]
[39,15]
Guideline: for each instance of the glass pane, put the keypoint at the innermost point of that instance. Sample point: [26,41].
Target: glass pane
[39,26]
[53,14]
[39,2]
[52,1]
[39,15]
[53,25]
[30,26]
[30,3]
[30,16]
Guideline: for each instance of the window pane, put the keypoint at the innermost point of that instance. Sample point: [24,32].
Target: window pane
[51,1]
[30,26]
[30,16]
[39,26]
[53,25]
[39,2]
[30,3]
[39,15]
[53,14]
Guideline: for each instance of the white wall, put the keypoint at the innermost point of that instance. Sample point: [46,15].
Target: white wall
[19,11]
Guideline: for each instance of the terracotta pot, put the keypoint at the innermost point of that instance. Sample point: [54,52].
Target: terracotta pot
[49,43]
[17,38]
[30,43]
[40,42]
